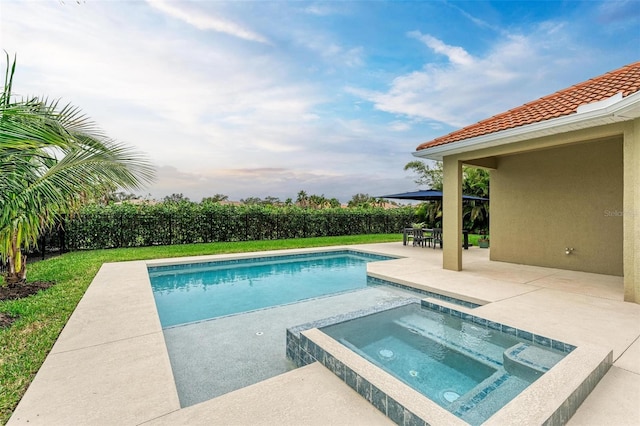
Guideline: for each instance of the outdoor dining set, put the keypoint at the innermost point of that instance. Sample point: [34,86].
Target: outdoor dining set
[429,237]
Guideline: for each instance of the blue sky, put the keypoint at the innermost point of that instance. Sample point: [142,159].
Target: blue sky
[267,98]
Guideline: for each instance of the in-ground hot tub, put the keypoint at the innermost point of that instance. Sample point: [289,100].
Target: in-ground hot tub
[427,363]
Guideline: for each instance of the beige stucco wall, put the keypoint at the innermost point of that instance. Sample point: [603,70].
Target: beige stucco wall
[547,200]
[632,212]
[452,217]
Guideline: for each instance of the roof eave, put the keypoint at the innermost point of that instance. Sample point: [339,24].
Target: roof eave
[625,109]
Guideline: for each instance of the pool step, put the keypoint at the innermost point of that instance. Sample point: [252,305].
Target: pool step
[529,362]
[451,305]
[523,364]
[481,402]
[490,354]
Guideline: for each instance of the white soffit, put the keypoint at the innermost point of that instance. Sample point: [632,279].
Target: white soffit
[611,110]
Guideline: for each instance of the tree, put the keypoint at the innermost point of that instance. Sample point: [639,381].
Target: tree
[271,201]
[475,182]
[176,198]
[366,201]
[119,196]
[52,159]
[215,199]
[476,213]
[430,213]
[334,203]
[250,201]
[363,200]
[429,176]
[303,199]
[267,201]
[318,201]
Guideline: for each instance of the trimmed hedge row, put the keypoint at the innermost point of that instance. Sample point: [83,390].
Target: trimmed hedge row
[128,225]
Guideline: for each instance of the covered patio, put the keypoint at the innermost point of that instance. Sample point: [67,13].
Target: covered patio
[565,184]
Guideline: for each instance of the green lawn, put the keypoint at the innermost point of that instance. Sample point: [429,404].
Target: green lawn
[473,239]
[25,345]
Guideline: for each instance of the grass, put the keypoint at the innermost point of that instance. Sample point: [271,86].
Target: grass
[25,345]
[473,239]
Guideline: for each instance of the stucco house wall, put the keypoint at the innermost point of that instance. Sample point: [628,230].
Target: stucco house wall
[545,201]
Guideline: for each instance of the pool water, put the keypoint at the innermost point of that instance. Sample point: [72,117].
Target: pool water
[427,366]
[201,291]
[468,369]
[432,373]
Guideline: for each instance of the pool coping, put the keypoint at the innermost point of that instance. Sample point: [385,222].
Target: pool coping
[261,254]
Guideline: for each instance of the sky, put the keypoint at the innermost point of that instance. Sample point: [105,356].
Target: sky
[270,98]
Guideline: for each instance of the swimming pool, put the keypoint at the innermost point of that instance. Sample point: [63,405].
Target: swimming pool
[200,291]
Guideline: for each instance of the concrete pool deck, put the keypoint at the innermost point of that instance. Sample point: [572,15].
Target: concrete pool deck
[110,363]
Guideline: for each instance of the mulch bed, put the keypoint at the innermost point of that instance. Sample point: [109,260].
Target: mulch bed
[6,320]
[18,291]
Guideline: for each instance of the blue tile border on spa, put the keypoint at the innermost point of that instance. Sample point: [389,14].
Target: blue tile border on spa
[261,259]
[303,351]
[378,398]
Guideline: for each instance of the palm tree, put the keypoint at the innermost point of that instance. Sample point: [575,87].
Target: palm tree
[476,213]
[318,201]
[303,199]
[52,159]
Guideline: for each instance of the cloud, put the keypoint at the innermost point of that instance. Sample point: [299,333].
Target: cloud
[480,23]
[202,21]
[320,9]
[467,88]
[399,126]
[331,51]
[249,99]
[457,55]
[610,12]
[167,89]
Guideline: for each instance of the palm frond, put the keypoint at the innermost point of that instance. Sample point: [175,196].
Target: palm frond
[52,156]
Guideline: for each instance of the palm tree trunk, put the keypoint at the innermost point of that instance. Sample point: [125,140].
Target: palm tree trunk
[17,273]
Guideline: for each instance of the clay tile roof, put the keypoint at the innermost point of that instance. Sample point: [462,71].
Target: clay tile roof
[625,80]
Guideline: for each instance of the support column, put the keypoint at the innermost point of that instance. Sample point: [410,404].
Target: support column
[452,214]
[631,218]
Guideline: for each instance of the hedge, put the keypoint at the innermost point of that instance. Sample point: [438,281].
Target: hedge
[129,225]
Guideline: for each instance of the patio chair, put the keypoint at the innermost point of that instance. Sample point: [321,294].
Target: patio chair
[420,238]
[437,237]
[427,236]
[407,235]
